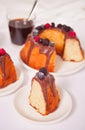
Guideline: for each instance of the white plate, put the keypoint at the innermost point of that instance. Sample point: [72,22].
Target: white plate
[13,86]
[22,106]
[62,67]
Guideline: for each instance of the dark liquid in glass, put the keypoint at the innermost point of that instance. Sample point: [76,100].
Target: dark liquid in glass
[19,29]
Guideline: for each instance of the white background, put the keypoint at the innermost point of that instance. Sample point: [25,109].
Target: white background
[69,11]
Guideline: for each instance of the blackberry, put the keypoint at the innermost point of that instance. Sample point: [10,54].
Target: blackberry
[46,42]
[66,28]
[40,75]
[43,70]
[39,28]
[40,40]
[35,32]
[59,26]
[52,24]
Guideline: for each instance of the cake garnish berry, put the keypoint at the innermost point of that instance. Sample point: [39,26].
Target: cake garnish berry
[47,25]
[35,32]
[43,70]
[52,24]
[39,28]
[37,38]
[59,26]
[2,52]
[64,27]
[40,40]
[40,75]
[72,34]
[46,42]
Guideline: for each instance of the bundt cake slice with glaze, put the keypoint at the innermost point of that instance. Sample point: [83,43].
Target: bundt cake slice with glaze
[7,69]
[44,96]
[65,39]
[39,53]
[72,50]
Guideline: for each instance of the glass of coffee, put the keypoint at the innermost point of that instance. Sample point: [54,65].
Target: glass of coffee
[19,26]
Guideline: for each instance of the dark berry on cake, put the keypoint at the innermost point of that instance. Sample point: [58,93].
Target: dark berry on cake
[52,24]
[40,75]
[43,70]
[66,28]
[40,40]
[35,32]
[46,42]
[59,26]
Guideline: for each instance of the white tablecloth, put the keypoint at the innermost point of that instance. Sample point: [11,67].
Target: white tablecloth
[67,11]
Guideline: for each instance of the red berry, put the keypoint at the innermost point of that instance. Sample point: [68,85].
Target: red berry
[37,38]
[47,25]
[72,34]
[2,52]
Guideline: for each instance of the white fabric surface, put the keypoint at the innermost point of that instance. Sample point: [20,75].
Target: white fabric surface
[63,11]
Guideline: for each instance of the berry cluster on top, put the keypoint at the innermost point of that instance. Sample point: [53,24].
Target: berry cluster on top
[45,41]
[69,31]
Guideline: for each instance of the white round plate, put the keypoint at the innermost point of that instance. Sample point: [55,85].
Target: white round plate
[22,106]
[62,67]
[13,86]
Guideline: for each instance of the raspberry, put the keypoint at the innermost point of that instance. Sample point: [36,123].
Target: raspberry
[72,34]
[37,38]
[47,25]
[2,52]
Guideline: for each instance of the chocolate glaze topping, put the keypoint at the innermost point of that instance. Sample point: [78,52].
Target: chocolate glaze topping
[2,64]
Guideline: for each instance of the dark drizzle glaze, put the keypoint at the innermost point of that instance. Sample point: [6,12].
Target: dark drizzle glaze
[2,64]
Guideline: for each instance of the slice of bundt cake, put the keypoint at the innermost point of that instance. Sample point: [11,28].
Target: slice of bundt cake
[72,50]
[44,96]
[7,69]
[39,53]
